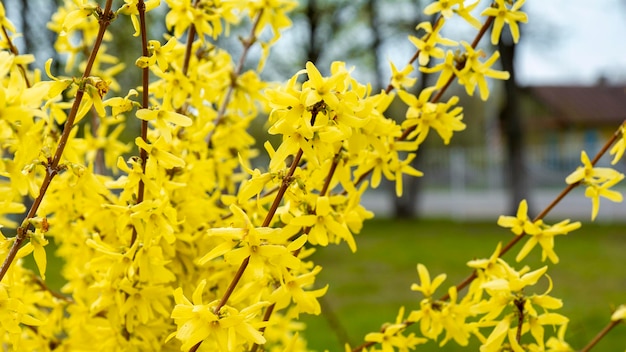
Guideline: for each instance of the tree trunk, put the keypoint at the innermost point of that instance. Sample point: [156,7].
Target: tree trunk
[406,206]
[313,51]
[515,172]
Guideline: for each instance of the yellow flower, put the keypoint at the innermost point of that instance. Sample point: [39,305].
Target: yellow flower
[619,313]
[319,88]
[254,185]
[292,289]
[502,15]
[326,225]
[4,21]
[156,152]
[120,105]
[519,223]
[274,14]
[13,312]
[474,72]
[423,115]
[76,17]
[588,173]
[130,8]
[179,17]
[400,79]
[163,53]
[442,6]
[427,287]
[163,120]
[400,168]
[447,69]
[197,322]
[595,191]
[464,11]
[499,333]
[427,44]
[598,181]
[260,246]
[558,343]
[543,235]
[392,337]
[490,267]
[36,244]
[620,147]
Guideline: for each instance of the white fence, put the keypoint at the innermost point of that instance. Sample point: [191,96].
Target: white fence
[476,168]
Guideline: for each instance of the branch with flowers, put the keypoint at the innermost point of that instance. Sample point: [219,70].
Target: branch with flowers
[190,214]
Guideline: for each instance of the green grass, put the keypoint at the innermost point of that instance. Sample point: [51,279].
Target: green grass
[368,287]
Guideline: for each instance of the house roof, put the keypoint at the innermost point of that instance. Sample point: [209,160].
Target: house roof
[584,105]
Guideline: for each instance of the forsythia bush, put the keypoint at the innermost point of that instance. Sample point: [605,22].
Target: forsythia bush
[184,246]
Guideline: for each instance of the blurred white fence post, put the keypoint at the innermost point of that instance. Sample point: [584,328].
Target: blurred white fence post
[457,179]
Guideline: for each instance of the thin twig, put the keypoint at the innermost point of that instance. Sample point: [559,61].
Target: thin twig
[543,213]
[323,191]
[16,52]
[247,44]
[191,36]
[405,135]
[268,219]
[600,335]
[145,77]
[53,165]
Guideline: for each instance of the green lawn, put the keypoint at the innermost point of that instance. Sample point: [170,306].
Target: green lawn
[368,287]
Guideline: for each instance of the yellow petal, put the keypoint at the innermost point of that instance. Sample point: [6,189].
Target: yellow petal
[620,313]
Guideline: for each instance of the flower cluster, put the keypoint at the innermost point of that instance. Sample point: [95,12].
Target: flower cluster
[598,180]
[179,208]
[498,301]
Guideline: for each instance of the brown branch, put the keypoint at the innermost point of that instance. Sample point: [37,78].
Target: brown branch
[266,317]
[323,191]
[519,304]
[191,36]
[247,44]
[600,335]
[544,212]
[439,94]
[405,135]
[55,294]
[268,219]
[52,168]
[145,77]
[16,52]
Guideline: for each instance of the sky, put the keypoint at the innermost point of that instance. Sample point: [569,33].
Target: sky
[573,42]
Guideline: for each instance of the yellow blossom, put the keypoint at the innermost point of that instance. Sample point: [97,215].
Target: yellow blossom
[130,8]
[519,223]
[400,79]
[292,289]
[543,235]
[442,6]
[619,313]
[598,181]
[427,45]
[197,322]
[474,72]
[426,286]
[157,152]
[502,15]
[163,118]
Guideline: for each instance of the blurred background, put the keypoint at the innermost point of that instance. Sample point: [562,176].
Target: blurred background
[567,94]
